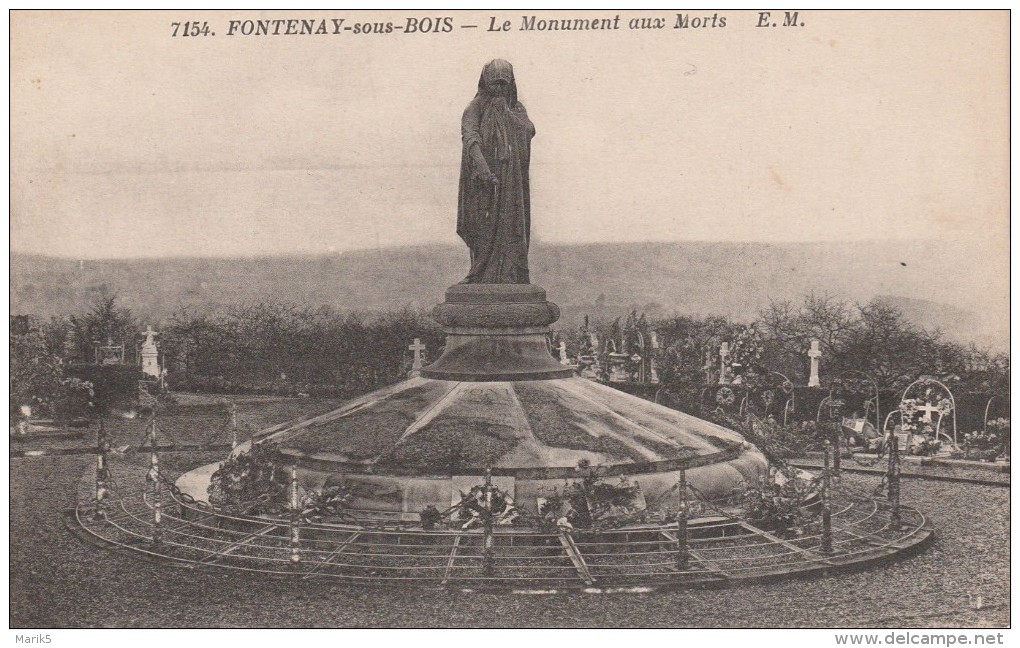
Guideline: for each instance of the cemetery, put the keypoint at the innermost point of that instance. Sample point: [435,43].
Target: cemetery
[532,470]
[477,450]
[355,494]
[766,480]
[829,463]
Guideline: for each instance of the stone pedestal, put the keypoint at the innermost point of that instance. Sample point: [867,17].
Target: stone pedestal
[150,360]
[496,332]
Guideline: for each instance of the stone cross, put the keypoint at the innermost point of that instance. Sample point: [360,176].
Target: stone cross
[815,353]
[724,356]
[417,347]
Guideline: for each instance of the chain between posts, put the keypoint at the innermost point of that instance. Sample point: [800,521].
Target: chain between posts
[682,559]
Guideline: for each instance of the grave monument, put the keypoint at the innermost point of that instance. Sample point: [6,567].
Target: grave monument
[150,354]
[815,355]
[494,465]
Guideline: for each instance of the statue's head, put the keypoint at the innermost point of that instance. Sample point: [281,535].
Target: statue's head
[497,80]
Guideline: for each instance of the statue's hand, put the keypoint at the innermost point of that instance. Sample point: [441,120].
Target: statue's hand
[484,174]
[488,177]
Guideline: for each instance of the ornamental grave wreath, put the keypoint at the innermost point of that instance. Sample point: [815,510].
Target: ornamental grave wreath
[592,501]
[776,503]
[252,482]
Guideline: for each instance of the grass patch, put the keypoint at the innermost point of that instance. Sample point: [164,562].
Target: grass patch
[545,414]
[371,431]
[450,447]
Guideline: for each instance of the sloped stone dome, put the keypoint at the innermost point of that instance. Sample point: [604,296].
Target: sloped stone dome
[425,426]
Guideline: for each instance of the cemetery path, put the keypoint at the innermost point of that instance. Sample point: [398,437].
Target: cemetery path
[57,581]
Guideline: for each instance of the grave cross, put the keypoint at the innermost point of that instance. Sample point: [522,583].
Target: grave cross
[724,357]
[927,408]
[815,353]
[417,347]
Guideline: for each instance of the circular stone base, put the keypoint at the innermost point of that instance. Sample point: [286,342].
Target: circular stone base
[496,306]
[403,497]
[420,442]
[491,357]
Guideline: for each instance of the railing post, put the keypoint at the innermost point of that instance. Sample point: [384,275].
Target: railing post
[295,513]
[837,458]
[154,477]
[487,540]
[153,431]
[157,498]
[102,471]
[233,425]
[894,482]
[826,501]
[683,556]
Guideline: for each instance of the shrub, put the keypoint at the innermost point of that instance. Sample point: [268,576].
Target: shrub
[115,386]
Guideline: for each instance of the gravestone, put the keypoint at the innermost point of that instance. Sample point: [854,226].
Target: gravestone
[724,360]
[815,354]
[416,366]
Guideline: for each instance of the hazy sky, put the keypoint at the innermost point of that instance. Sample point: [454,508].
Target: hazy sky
[127,142]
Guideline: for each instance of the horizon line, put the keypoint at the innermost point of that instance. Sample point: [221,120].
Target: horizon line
[398,246]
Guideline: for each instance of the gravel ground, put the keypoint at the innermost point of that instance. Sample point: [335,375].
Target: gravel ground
[56,580]
[197,419]
[910,469]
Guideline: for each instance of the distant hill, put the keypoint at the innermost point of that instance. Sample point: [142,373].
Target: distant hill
[955,322]
[732,279]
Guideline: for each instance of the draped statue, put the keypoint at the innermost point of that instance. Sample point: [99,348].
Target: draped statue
[494,201]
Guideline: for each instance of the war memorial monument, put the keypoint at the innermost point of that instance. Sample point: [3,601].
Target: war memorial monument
[497,466]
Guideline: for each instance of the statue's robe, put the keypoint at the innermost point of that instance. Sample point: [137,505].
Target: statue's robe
[496,222]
